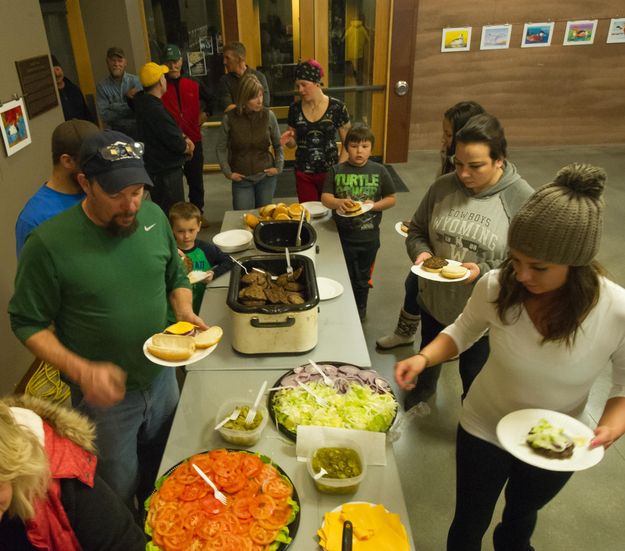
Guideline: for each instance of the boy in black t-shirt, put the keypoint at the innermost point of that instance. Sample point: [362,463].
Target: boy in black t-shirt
[186,220]
[367,182]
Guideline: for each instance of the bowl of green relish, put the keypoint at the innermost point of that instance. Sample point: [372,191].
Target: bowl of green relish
[345,466]
[235,431]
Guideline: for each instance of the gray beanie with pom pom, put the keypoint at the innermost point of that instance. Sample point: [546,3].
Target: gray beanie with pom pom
[562,222]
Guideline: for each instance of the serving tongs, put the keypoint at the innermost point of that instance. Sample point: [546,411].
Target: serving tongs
[289,268]
[298,237]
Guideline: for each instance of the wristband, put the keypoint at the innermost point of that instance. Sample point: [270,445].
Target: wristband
[425,357]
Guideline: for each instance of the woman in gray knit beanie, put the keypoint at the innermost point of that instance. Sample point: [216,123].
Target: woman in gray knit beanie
[555,323]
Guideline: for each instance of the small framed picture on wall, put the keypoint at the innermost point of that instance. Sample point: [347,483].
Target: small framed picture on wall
[456,39]
[537,35]
[15,131]
[495,37]
[580,33]
[616,32]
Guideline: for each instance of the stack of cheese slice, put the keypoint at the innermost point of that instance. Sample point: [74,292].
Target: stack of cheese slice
[374,529]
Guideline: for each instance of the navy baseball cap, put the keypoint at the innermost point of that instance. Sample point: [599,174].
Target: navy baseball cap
[114,160]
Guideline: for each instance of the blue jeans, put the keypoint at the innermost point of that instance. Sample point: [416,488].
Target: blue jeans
[482,470]
[132,434]
[248,195]
[359,256]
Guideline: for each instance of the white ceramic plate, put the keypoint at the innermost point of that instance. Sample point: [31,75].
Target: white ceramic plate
[328,288]
[196,276]
[365,207]
[233,241]
[436,276]
[198,355]
[399,230]
[513,428]
[316,208]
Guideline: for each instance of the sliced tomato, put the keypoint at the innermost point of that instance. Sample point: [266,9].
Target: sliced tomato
[278,487]
[227,465]
[262,536]
[204,462]
[193,520]
[262,507]
[278,518]
[171,489]
[178,542]
[168,524]
[232,484]
[210,529]
[192,492]
[210,505]
[241,507]
[251,465]
[185,474]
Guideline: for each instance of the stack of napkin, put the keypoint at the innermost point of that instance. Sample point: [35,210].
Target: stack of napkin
[375,529]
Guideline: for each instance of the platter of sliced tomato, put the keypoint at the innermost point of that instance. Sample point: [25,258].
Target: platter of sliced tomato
[262,511]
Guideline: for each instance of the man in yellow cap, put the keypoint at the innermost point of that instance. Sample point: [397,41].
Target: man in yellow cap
[166,147]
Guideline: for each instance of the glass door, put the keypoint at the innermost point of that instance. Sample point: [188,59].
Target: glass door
[348,37]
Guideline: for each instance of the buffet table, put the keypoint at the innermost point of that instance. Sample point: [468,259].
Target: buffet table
[192,432]
[340,333]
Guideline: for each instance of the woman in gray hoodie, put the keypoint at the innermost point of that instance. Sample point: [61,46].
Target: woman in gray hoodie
[464,216]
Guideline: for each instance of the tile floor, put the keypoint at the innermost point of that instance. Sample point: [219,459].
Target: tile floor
[589,512]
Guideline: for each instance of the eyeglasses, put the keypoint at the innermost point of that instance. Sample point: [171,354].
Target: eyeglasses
[119,150]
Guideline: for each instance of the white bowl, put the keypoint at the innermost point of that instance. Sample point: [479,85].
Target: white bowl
[233,241]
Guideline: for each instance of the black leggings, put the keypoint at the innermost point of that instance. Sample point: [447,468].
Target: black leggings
[482,469]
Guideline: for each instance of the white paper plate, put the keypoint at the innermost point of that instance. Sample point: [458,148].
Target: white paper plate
[436,276]
[316,208]
[513,428]
[196,276]
[196,357]
[233,241]
[365,207]
[399,230]
[328,288]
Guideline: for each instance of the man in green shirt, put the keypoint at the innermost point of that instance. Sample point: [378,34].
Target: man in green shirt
[101,273]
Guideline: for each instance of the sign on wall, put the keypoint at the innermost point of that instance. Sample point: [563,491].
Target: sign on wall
[38,87]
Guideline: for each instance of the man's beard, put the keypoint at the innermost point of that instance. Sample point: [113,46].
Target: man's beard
[117,230]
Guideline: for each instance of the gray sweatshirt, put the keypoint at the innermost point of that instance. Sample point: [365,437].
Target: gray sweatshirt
[453,223]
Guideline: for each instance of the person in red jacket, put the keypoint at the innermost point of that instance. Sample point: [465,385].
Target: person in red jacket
[182,100]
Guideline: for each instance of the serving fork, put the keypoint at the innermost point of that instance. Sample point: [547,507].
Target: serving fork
[251,414]
[325,378]
[289,268]
[318,398]
[223,498]
[230,417]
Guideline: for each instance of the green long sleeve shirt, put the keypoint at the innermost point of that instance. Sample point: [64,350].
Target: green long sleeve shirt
[105,295]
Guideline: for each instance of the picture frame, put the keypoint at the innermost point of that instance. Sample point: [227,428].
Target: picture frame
[580,33]
[495,37]
[537,35]
[197,64]
[456,39]
[14,124]
[616,32]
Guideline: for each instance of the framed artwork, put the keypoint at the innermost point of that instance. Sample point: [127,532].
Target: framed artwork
[580,33]
[15,131]
[495,37]
[537,35]
[197,63]
[456,39]
[616,32]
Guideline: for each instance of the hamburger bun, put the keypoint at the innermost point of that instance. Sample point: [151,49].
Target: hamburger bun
[251,220]
[434,264]
[295,210]
[281,216]
[172,348]
[454,271]
[354,209]
[280,209]
[267,210]
[206,339]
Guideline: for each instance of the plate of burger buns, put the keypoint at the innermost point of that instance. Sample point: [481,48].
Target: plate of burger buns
[181,344]
[549,440]
[441,269]
[356,209]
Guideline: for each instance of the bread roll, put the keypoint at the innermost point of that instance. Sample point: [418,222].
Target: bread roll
[208,338]
[172,348]
[454,271]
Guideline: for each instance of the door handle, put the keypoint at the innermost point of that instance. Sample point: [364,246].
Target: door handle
[401,87]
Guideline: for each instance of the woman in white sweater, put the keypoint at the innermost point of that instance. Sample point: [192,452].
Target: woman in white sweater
[555,322]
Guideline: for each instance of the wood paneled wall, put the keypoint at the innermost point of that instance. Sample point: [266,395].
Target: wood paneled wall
[558,95]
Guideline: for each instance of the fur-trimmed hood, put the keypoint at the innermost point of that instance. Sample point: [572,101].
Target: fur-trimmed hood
[66,422]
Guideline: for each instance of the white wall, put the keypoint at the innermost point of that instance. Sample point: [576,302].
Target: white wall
[22,173]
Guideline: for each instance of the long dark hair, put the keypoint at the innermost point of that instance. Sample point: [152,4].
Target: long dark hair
[564,315]
[457,115]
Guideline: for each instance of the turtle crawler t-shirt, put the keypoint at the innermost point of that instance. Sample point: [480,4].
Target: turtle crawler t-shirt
[360,183]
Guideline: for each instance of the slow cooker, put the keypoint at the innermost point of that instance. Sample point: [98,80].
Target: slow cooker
[274,236]
[274,328]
